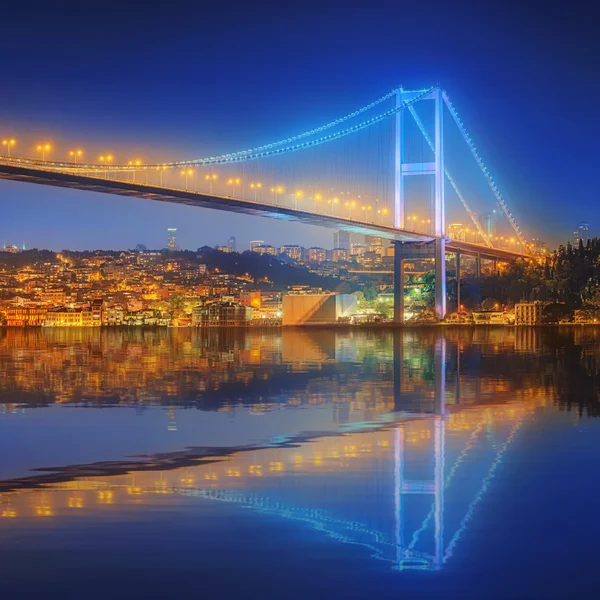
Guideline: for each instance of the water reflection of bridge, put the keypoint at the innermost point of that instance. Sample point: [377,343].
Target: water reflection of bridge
[398,486]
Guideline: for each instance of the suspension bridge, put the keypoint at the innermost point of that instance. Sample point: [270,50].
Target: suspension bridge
[356,173]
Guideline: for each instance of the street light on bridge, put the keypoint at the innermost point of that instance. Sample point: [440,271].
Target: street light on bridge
[161,170]
[187,173]
[75,154]
[317,198]
[8,144]
[255,187]
[134,163]
[105,160]
[211,177]
[43,148]
[233,182]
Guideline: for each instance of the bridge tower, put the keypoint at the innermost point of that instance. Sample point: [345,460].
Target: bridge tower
[403,169]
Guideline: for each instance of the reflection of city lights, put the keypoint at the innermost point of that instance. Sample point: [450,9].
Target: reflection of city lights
[105,497]
[75,502]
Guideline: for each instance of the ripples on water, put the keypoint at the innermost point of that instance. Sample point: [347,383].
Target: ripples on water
[389,462]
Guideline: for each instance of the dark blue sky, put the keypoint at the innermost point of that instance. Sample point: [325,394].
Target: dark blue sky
[188,79]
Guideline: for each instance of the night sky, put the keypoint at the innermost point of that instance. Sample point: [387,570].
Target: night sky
[184,80]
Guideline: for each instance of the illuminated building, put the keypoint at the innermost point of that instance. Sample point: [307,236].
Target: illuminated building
[69,317]
[10,249]
[255,244]
[221,314]
[299,309]
[232,244]
[316,255]
[357,250]
[341,239]
[456,231]
[294,252]
[371,260]
[377,246]
[112,316]
[582,233]
[54,296]
[266,249]
[339,255]
[528,313]
[488,222]
[252,299]
[25,316]
[172,239]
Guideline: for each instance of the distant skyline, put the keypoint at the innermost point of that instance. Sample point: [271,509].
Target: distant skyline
[187,82]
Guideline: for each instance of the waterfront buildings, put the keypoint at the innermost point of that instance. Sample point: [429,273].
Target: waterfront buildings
[528,313]
[302,309]
[221,314]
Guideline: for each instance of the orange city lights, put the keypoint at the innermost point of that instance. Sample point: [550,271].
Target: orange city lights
[9,144]
[75,154]
[43,148]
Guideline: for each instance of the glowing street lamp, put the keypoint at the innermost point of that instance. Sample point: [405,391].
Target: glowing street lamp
[317,198]
[187,173]
[75,154]
[9,144]
[298,196]
[233,182]
[161,170]
[134,163]
[332,202]
[211,178]
[255,187]
[105,160]
[43,148]
[276,190]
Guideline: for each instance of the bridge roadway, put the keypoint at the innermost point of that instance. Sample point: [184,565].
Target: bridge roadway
[77,181]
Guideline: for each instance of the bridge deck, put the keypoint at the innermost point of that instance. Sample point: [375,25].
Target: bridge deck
[76,181]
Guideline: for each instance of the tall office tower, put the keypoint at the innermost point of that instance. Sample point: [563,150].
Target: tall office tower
[231,242]
[582,233]
[488,222]
[254,244]
[341,239]
[172,239]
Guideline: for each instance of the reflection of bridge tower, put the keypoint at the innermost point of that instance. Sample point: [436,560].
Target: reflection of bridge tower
[433,487]
[413,401]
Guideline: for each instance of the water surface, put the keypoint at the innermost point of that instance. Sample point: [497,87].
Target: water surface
[451,463]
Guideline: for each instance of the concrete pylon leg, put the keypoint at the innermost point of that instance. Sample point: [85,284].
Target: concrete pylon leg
[398,285]
[478,266]
[458,281]
[440,277]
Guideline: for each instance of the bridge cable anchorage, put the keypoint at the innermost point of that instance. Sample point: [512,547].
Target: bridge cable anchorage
[485,171]
[453,183]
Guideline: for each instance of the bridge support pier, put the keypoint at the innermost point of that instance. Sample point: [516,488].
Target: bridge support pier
[458,281]
[478,266]
[440,277]
[420,250]
[398,285]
